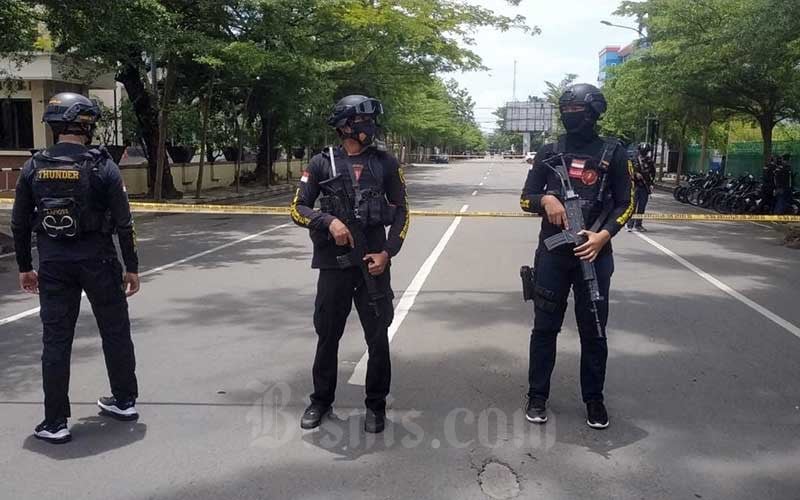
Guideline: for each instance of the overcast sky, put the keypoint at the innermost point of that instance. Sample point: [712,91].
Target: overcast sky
[571,40]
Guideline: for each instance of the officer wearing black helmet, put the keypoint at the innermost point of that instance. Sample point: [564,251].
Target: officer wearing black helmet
[73,198]
[644,173]
[371,182]
[783,185]
[600,174]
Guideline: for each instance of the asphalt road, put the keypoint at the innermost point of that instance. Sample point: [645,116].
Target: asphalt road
[702,383]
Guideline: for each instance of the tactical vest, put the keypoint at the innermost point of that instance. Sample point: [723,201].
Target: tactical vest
[783,177]
[589,178]
[368,205]
[63,192]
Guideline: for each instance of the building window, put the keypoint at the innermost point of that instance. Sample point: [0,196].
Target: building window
[16,124]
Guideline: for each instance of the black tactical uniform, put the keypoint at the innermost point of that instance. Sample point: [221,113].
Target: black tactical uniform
[644,173]
[601,175]
[783,186]
[768,183]
[383,203]
[74,198]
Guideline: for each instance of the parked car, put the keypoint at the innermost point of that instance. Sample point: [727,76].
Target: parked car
[440,158]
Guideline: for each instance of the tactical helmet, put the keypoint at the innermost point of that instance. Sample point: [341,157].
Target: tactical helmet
[585,94]
[69,107]
[351,106]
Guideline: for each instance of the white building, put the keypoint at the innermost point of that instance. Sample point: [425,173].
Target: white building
[30,86]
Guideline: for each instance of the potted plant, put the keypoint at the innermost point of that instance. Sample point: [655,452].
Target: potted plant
[183,128]
[221,136]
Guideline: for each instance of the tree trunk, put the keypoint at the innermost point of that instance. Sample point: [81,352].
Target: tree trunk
[682,146]
[203,145]
[264,161]
[163,116]
[288,164]
[704,147]
[147,117]
[767,124]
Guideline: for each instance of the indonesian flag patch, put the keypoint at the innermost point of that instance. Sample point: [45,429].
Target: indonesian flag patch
[576,168]
[305,176]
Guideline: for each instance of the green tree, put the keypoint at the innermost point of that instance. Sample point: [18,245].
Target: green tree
[280,64]
[18,26]
[502,139]
[146,33]
[552,94]
[738,55]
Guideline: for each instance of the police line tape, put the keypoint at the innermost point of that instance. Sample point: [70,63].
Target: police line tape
[180,208]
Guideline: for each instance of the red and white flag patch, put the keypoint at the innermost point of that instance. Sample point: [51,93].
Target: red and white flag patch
[576,168]
[305,176]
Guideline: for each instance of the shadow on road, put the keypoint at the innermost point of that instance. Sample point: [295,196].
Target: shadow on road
[91,436]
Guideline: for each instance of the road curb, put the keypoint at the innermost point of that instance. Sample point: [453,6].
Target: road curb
[232,199]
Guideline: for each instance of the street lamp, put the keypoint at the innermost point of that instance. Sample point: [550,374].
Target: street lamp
[637,30]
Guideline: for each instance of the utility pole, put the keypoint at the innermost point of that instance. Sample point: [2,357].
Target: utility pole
[514,88]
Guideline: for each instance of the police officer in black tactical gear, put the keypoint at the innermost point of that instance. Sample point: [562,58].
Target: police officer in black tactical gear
[783,185]
[73,198]
[644,173]
[768,183]
[600,174]
[362,192]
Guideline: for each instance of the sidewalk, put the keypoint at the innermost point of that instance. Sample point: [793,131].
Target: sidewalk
[227,195]
[219,196]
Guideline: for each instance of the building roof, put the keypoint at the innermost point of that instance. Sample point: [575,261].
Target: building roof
[49,66]
[627,50]
[609,48]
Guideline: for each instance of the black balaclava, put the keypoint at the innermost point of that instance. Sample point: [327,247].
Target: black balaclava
[579,123]
[368,128]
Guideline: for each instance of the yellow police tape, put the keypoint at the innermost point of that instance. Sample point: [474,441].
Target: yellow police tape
[263,210]
[180,208]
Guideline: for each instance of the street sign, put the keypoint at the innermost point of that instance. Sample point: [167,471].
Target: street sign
[524,116]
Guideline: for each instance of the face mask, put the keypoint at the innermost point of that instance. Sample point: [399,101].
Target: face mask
[368,128]
[576,121]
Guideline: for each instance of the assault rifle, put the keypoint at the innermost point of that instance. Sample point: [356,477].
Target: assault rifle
[572,205]
[338,202]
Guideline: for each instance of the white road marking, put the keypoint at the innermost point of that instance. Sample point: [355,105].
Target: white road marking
[409,296]
[762,225]
[35,310]
[786,325]
[475,193]
[481,184]
[6,255]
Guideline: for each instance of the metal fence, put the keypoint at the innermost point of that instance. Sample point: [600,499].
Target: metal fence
[744,157]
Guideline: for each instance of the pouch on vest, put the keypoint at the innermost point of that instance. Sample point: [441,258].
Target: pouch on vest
[375,209]
[62,191]
[60,218]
